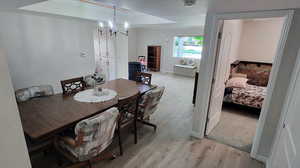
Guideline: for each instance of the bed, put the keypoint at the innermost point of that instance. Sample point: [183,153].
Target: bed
[251,96]
[254,91]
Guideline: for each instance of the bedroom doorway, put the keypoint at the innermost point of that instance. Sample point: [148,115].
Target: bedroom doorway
[246,50]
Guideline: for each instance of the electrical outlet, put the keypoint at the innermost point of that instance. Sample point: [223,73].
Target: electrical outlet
[83,54]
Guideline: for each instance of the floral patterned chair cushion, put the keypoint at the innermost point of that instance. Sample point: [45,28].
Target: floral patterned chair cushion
[93,135]
[34,91]
[150,101]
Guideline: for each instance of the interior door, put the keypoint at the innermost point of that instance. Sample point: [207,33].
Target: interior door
[220,75]
[287,147]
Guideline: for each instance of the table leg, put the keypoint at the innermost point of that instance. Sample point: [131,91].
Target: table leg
[135,122]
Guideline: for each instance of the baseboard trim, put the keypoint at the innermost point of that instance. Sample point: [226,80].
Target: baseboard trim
[171,72]
[261,158]
[196,135]
[268,164]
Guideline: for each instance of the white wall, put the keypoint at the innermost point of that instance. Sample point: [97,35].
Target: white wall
[13,152]
[163,37]
[259,39]
[132,45]
[44,49]
[253,40]
[233,30]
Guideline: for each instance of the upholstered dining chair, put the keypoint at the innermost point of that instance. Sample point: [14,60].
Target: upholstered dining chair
[128,112]
[92,137]
[23,95]
[73,85]
[149,104]
[144,78]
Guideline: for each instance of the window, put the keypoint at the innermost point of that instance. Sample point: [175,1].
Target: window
[188,46]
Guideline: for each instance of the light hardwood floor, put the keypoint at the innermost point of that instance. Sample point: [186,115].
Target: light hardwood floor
[171,146]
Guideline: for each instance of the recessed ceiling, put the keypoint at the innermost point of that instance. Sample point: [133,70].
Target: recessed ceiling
[141,13]
[75,8]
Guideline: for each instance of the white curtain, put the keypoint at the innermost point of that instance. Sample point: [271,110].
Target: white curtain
[105,53]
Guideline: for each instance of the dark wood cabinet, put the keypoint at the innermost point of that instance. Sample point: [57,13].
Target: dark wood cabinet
[153,58]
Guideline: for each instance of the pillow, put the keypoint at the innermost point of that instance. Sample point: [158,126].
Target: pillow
[191,62]
[183,62]
[239,75]
[237,82]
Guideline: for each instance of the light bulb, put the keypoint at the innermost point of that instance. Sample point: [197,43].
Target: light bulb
[101,24]
[126,25]
[111,25]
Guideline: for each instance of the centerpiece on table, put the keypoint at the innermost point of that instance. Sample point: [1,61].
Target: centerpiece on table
[98,91]
[95,80]
[95,93]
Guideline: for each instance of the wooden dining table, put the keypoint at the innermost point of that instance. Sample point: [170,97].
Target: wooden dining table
[46,116]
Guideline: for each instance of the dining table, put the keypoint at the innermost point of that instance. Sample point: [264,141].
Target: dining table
[45,117]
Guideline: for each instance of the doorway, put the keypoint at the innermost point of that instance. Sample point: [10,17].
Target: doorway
[207,73]
[246,52]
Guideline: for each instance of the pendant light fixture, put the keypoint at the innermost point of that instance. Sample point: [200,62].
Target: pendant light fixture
[114,27]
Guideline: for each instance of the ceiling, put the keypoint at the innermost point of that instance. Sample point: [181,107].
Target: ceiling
[140,13]
[171,9]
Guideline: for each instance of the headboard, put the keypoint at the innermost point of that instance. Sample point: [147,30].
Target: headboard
[257,72]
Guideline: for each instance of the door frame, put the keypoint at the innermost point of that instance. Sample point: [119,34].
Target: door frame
[284,112]
[207,66]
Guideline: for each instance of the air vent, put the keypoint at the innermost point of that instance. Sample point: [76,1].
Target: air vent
[189,2]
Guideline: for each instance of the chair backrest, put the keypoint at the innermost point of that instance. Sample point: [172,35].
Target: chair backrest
[96,133]
[33,91]
[150,101]
[72,86]
[127,108]
[143,77]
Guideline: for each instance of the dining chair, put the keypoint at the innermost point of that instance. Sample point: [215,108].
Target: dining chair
[144,78]
[149,104]
[23,95]
[73,85]
[128,114]
[92,137]
[38,146]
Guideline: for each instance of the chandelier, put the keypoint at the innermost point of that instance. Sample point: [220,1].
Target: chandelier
[114,27]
